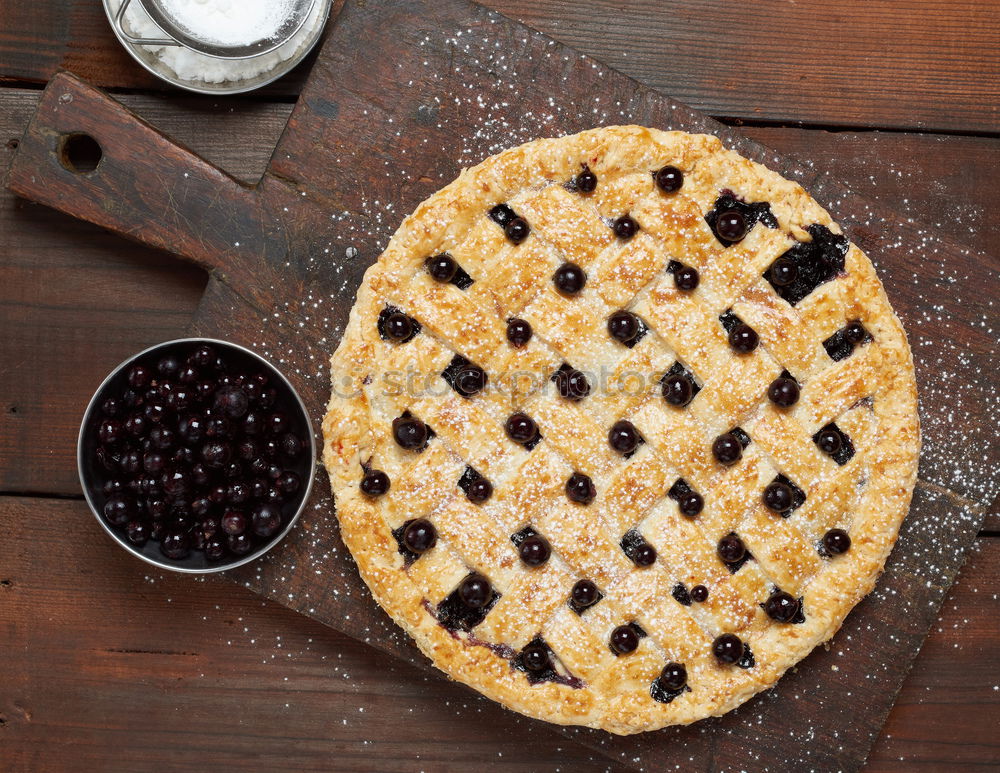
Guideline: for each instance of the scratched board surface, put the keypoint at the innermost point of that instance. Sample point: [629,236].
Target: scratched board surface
[370,137]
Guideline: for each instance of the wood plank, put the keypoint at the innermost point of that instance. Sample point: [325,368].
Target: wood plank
[888,63]
[959,665]
[111,665]
[831,62]
[129,667]
[881,637]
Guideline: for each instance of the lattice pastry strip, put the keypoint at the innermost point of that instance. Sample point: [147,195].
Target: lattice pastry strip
[590,551]
[632,381]
[731,394]
[507,292]
[622,270]
[422,486]
[570,227]
[688,325]
[568,327]
[527,603]
[522,498]
[633,489]
[622,426]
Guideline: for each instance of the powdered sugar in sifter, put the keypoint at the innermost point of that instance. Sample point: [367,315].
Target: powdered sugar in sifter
[224,29]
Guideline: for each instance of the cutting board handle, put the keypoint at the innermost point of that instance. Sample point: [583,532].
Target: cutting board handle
[88,156]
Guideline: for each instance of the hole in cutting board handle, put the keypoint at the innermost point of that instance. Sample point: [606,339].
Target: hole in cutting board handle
[80,153]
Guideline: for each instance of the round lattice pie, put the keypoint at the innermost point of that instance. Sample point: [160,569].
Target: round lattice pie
[622,427]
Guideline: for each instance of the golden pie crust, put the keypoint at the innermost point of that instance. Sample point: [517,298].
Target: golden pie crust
[870,395]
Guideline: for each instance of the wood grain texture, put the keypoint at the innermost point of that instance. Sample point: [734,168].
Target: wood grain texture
[937,511]
[912,64]
[346,122]
[110,665]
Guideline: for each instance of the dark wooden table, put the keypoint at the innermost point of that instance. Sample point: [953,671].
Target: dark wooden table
[106,665]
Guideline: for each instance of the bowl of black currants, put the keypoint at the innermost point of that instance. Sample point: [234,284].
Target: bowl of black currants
[196,455]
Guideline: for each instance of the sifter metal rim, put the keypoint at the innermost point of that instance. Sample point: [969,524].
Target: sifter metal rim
[148,60]
[179,35]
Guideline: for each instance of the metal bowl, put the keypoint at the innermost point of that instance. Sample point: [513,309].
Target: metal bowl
[92,474]
[151,62]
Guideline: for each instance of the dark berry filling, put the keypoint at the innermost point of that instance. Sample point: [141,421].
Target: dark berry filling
[691,504]
[580,488]
[419,536]
[625,639]
[783,391]
[625,227]
[727,449]
[742,337]
[501,214]
[669,179]
[410,433]
[741,436]
[841,344]
[535,550]
[395,326]
[689,501]
[681,594]
[535,658]
[465,377]
[623,437]
[731,226]
[467,605]
[517,230]
[571,383]
[778,497]
[783,272]
[832,441]
[637,549]
[583,595]
[783,496]
[585,181]
[673,677]
[728,648]
[807,265]
[783,607]
[731,549]
[444,269]
[537,661]
[522,429]
[685,277]
[699,594]
[518,332]
[477,488]
[624,326]
[569,279]
[733,552]
[679,386]
[731,219]
[836,542]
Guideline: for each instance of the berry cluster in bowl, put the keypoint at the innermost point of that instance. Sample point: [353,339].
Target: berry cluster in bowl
[197,455]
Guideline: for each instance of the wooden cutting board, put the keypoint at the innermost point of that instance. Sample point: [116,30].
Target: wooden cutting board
[402,95]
